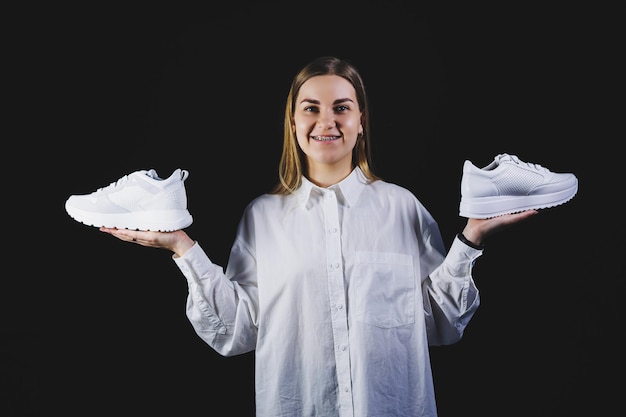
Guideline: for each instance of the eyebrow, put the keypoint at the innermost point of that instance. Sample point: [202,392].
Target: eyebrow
[339,100]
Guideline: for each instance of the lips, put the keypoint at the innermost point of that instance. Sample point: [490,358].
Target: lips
[325,138]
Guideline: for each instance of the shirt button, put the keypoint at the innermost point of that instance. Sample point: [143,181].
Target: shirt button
[340,306]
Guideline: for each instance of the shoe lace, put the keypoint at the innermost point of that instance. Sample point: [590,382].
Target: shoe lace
[531,165]
[114,184]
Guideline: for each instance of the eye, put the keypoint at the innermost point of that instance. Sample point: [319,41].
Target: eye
[342,108]
[310,109]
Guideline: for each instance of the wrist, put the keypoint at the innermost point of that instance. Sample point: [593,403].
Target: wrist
[469,243]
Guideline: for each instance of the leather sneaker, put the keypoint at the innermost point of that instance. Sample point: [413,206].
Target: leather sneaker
[140,201]
[510,185]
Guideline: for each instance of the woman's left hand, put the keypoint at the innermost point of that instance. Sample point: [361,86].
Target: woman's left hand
[477,230]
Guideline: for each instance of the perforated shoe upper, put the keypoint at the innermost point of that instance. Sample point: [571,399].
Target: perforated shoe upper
[507,175]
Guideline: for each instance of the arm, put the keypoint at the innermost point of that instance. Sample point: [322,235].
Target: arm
[221,308]
[450,294]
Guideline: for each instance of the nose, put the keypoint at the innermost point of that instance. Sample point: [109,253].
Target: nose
[326,119]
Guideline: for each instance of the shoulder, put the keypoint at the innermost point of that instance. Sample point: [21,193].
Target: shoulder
[268,202]
[392,195]
[391,189]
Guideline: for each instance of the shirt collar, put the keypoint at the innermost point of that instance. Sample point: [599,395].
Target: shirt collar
[347,190]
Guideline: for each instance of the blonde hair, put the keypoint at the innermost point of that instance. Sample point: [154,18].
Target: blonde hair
[293,160]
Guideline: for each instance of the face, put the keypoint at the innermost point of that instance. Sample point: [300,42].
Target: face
[327,121]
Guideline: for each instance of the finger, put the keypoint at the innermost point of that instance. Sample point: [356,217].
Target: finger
[125,235]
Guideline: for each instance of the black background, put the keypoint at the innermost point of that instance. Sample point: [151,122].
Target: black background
[92,326]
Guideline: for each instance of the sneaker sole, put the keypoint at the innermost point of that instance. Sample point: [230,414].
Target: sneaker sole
[487,207]
[157,221]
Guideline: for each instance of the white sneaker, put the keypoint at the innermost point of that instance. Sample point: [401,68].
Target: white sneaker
[139,201]
[508,185]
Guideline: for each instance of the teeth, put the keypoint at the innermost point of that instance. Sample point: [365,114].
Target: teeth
[324,138]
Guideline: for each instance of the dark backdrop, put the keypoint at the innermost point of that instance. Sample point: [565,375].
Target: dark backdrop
[92,326]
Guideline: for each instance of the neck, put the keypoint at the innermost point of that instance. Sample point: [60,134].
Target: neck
[326,175]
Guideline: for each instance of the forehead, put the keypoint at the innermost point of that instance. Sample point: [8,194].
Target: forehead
[328,87]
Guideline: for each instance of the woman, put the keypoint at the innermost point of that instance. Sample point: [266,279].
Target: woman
[338,280]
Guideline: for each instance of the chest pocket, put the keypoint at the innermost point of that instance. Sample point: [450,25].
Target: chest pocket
[383,289]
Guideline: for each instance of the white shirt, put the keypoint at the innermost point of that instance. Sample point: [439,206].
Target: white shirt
[339,291]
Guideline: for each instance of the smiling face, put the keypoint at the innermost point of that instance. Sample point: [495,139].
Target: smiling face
[327,123]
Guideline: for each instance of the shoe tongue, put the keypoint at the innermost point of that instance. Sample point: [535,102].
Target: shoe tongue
[152,174]
[505,157]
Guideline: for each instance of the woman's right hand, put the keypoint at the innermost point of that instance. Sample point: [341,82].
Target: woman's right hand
[177,241]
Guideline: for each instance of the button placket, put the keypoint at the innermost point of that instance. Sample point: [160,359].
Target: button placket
[337,296]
